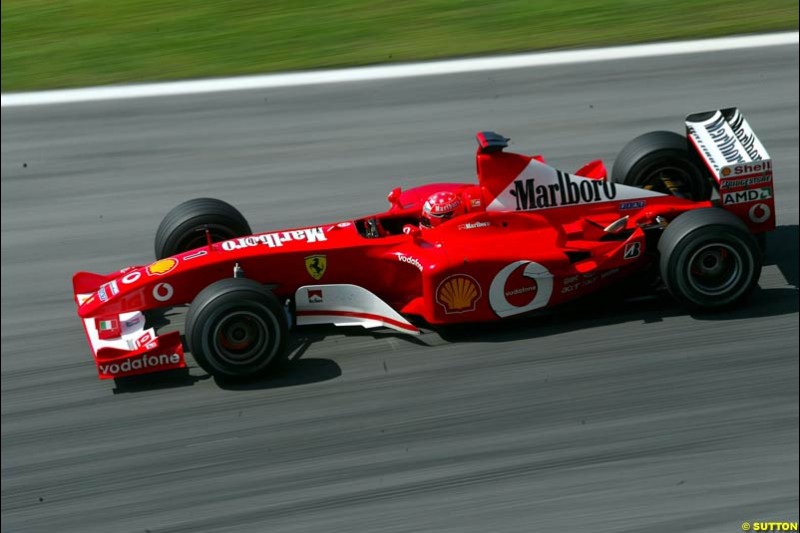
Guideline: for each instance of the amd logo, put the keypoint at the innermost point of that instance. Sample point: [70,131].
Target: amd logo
[750,195]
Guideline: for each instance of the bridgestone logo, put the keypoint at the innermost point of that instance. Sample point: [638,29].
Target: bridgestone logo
[529,195]
[275,239]
[736,183]
[146,361]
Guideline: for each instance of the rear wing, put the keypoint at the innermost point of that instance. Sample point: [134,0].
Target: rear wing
[738,162]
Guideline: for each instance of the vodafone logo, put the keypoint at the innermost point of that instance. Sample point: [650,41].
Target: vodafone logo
[520,287]
[163,292]
[131,277]
[139,363]
[759,213]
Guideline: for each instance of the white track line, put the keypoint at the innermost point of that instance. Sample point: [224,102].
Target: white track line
[432,68]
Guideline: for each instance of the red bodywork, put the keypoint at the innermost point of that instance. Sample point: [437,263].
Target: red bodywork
[532,238]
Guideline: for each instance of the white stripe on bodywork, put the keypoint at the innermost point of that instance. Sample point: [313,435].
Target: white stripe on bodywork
[540,186]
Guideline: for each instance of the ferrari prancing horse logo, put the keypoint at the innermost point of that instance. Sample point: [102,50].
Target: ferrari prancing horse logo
[316,265]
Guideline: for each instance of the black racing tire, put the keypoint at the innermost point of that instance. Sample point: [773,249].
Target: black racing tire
[236,328]
[183,227]
[662,161]
[709,259]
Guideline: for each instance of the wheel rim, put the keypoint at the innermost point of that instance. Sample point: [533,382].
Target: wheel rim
[672,180]
[714,269]
[240,338]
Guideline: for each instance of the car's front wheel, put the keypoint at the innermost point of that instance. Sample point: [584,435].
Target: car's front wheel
[236,328]
[183,228]
[709,259]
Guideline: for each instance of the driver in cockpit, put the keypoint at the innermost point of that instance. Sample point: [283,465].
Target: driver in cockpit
[438,209]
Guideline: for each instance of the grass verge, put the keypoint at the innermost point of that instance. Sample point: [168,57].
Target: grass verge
[68,43]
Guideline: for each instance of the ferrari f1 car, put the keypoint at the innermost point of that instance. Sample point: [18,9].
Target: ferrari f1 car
[689,207]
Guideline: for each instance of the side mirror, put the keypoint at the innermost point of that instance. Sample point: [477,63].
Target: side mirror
[394,197]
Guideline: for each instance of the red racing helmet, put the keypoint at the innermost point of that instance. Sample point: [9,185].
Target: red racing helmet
[439,208]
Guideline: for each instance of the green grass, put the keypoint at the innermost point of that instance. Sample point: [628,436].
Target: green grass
[67,43]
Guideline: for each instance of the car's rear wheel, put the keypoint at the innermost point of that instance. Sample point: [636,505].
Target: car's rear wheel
[662,161]
[709,259]
[236,328]
[183,228]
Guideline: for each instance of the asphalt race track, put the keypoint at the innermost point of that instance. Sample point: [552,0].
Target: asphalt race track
[625,416]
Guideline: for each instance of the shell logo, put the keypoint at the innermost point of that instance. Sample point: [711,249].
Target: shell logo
[162,266]
[726,171]
[458,294]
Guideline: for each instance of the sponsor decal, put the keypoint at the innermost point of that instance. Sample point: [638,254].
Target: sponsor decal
[567,191]
[162,292]
[316,265]
[759,213]
[107,328]
[131,277]
[755,167]
[134,321]
[637,204]
[632,250]
[162,266]
[573,283]
[744,182]
[725,141]
[520,287]
[747,136]
[410,260]
[195,255]
[749,195]
[539,186]
[273,240]
[140,363]
[475,202]
[88,300]
[107,290]
[315,296]
[474,225]
[458,293]
[607,273]
[143,340]
[344,224]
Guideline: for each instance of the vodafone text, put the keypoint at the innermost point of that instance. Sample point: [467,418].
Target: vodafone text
[140,363]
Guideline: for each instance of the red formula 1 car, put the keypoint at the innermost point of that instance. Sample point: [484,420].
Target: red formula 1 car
[525,237]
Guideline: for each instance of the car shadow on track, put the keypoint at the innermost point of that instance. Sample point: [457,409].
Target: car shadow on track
[169,379]
[295,371]
[783,245]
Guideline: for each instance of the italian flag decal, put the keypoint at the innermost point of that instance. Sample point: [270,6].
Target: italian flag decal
[107,328]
